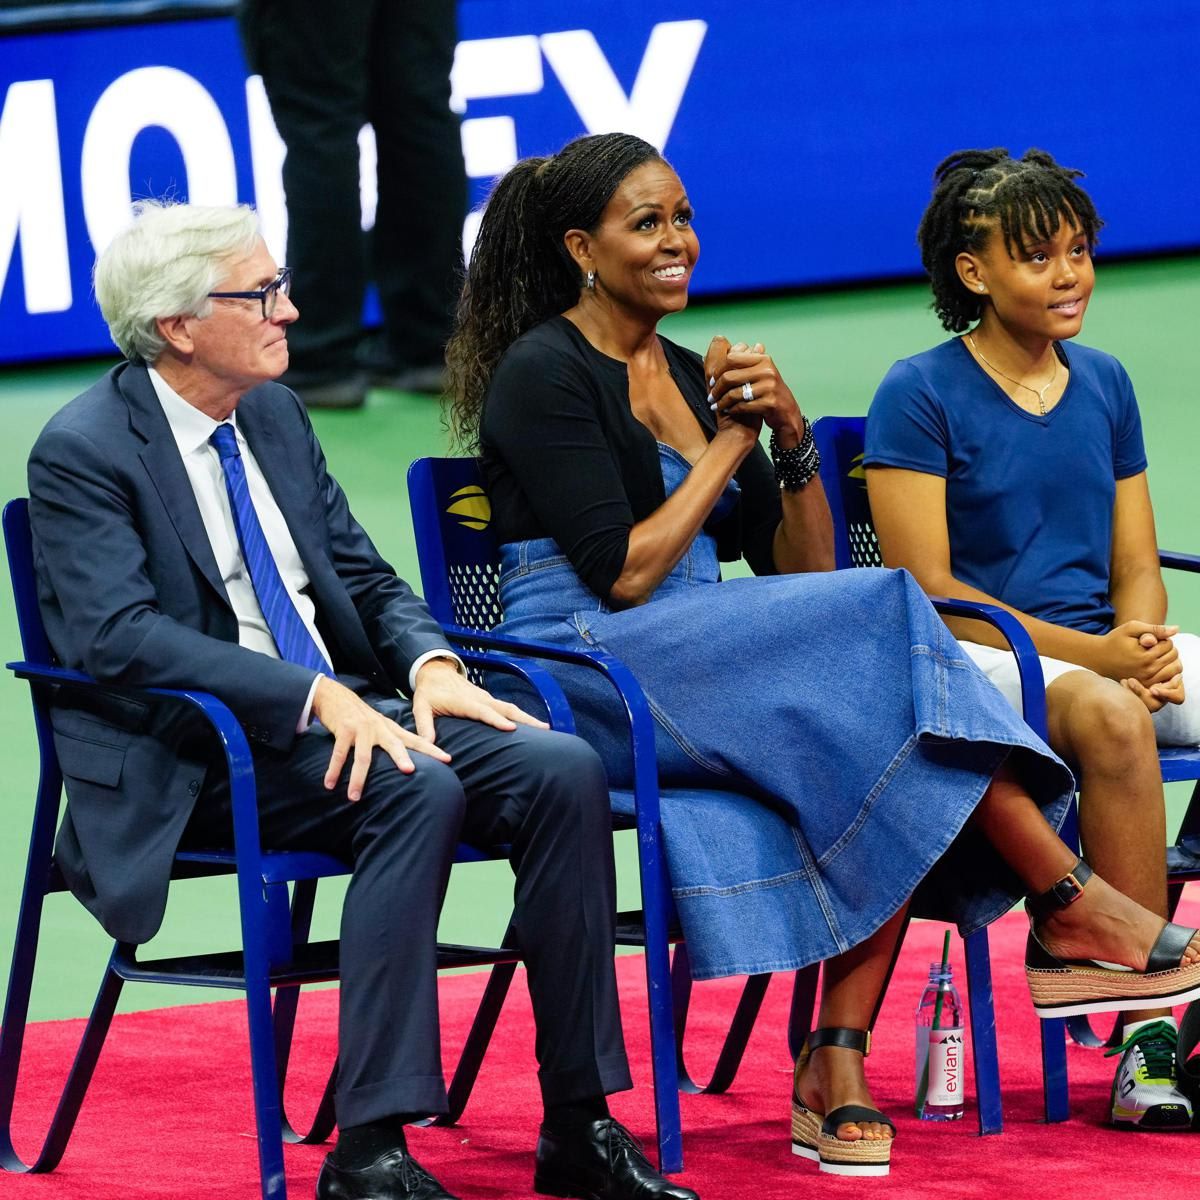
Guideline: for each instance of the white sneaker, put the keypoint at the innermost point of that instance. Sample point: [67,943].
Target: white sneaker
[1145,1092]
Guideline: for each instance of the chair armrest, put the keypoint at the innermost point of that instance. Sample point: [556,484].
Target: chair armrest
[619,676]
[243,795]
[1029,669]
[547,687]
[1179,562]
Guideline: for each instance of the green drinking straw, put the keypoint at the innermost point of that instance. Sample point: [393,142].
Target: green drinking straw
[923,1089]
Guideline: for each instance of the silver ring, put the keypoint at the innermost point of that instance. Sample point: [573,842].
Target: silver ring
[747,392]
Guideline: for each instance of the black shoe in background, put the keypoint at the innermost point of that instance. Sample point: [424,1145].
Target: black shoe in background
[599,1160]
[387,370]
[324,389]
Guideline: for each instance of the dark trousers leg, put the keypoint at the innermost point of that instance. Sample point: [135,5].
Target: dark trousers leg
[542,792]
[416,253]
[546,795]
[400,838]
[313,56]
[328,69]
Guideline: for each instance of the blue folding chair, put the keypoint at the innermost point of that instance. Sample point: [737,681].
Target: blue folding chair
[276,951]
[840,441]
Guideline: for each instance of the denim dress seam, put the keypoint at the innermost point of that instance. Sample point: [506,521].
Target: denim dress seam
[869,800]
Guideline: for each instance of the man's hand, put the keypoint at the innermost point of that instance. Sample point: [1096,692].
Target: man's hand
[442,692]
[356,726]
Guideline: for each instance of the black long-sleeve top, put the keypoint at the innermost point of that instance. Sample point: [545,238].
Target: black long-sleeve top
[564,457]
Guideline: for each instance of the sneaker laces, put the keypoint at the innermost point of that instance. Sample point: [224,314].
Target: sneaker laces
[1157,1044]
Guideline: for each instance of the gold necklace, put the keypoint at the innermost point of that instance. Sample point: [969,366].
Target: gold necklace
[1041,395]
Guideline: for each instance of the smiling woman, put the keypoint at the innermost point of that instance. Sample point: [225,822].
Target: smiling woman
[622,470]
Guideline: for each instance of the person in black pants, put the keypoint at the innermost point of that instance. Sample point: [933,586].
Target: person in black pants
[188,534]
[328,70]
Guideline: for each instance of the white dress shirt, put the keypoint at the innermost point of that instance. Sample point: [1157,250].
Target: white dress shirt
[192,429]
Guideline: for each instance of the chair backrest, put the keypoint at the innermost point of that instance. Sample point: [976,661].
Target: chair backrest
[840,442]
[18,541]
[456,549]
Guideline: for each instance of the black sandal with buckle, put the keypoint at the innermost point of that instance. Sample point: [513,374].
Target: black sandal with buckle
[1066,987]
[814,1134]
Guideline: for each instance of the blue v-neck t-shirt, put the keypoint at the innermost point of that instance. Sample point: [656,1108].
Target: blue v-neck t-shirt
[1029,498]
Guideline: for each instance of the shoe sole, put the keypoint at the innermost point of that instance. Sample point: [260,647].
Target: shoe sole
[833,1156]
[1155,1120]
[1072,991]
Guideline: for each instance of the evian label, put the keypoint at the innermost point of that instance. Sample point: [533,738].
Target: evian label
[945,1067]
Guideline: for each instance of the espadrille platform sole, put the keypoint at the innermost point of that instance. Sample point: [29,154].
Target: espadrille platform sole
[1066,989]
[815,1137]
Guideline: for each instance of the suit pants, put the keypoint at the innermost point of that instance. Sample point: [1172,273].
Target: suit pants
[544,794]
[329,69]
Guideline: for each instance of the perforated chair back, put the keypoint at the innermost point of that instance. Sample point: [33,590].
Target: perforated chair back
[456,548]
[840,442]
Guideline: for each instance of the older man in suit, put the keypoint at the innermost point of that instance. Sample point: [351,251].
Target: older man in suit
[188,534]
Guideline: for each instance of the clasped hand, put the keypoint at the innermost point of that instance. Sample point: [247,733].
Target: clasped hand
[1143,659]
[729,368]
[440,692]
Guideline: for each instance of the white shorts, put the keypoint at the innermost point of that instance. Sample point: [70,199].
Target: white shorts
[1174,724]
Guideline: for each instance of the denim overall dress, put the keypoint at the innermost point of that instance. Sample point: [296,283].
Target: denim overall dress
[858,734]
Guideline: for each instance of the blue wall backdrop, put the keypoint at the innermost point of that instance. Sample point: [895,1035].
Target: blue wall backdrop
[805,132]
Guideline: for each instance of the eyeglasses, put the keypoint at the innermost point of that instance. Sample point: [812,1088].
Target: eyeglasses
[268,297]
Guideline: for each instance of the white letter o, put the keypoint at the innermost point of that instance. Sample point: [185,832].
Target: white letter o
[137,100]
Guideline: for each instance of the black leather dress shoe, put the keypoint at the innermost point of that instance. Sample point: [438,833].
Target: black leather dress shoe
[601,1160]
[395,1175]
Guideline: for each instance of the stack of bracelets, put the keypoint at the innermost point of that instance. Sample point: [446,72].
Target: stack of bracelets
[797,466]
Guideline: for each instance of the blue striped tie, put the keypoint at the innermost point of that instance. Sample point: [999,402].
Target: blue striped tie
[291,635]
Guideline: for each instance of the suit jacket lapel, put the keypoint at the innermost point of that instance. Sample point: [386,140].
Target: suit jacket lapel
[160,456]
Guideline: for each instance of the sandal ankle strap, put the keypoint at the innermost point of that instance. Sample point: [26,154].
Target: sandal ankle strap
[1065,891]
[836,1035]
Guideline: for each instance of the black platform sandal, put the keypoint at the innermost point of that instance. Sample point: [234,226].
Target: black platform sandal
[1067,987]
[814,1134]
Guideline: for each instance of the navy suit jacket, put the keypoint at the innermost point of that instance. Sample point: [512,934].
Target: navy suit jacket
[130,593]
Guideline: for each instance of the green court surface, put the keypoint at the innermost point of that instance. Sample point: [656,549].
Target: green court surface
[832,348]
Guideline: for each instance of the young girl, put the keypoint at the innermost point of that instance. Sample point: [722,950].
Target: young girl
[1007,466]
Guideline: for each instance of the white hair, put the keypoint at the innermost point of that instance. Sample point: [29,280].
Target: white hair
[164,264]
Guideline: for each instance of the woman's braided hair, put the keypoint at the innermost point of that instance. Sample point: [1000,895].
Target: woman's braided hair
[520,272]
[974,190]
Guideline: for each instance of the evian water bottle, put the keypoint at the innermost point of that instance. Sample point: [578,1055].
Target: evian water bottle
[940,1047]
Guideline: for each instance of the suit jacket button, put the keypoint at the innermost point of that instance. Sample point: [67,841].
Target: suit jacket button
[194,787]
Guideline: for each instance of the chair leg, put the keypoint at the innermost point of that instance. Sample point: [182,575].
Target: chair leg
[804,1005]
[264,1070]
[1054,1070]
[304,893]
[662,1033]
[12,1037]
[734,1046]
[981,1004]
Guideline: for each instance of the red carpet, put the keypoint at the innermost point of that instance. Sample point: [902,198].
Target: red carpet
[169,1113]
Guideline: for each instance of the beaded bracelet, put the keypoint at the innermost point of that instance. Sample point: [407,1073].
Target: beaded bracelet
[799,465]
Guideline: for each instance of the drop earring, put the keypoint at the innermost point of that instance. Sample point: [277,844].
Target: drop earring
[591,281]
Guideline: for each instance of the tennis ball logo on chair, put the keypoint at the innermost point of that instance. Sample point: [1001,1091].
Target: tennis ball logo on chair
[857,471]
[470,507]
